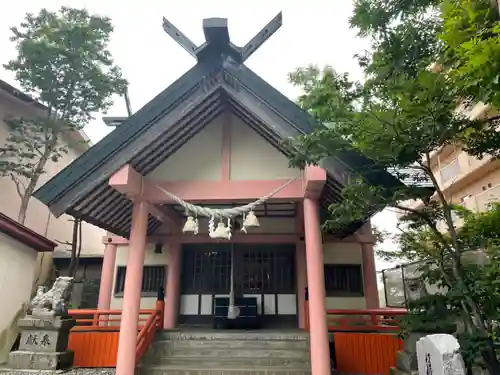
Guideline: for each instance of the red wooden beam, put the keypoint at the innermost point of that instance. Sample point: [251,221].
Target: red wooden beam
[314,181]
[131,183]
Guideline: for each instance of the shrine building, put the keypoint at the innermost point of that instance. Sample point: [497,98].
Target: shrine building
[214,139]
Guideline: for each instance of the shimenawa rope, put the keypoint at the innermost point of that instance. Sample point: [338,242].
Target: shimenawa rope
[223,212]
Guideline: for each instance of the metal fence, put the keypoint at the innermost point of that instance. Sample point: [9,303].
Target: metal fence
[403,283]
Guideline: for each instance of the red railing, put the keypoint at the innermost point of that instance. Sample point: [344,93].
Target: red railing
[365,341]
[148,330]
[372,320]
[94,339]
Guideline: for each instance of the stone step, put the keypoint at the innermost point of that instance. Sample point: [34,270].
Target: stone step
[237,362]
[232,352]
[168,344]
[232,335]
[209,352]
[200,369]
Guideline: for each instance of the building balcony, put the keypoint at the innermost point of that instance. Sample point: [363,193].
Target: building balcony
[475,163]
[450,171]
[481,201]
[460,174]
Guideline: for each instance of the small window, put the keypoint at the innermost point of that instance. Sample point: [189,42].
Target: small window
[343,280]
[153,277]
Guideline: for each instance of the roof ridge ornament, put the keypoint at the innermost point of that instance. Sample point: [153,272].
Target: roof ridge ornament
[217,41]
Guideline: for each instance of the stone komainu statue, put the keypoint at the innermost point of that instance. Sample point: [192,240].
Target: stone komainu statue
[54,301]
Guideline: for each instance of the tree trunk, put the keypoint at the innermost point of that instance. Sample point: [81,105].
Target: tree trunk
[74,247]
[495,5]
[23,209]
[469,306]
[79,247]
[491,360]
[30,189]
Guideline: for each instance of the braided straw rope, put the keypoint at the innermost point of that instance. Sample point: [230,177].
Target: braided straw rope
[223,212]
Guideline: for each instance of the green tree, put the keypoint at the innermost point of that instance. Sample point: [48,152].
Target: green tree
[397,123]
[403,112]
[459,36]
[64,63]
[471,47]
[442,308]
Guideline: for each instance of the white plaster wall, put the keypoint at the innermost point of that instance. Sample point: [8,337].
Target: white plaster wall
[198,159]
[343,253]
[39,219]
[253,158]
[151,259]
[17,270]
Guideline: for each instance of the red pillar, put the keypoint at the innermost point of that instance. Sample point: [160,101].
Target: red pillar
[320,353]
[127,344]
[369,276]
[172,289]
[107,274]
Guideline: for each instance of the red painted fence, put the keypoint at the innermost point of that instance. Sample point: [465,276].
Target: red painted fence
[94,339]
[365,341]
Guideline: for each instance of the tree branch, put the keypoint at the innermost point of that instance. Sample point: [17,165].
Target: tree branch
[20,188]
[444,204]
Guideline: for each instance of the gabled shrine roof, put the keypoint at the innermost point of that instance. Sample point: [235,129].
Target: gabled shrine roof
[220,81]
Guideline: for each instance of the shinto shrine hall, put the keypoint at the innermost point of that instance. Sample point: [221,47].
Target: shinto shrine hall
[175,186]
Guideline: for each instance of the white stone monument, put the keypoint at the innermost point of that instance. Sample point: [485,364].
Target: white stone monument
[439,355]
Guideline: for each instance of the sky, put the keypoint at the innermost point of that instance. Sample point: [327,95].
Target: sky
[313,32]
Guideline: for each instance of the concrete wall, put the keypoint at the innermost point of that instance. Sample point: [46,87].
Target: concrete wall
[462,165]
[252,157]
[483,190]
[17,272]
[39,218]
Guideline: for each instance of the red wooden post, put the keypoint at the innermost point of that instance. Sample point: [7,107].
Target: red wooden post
[374,318]
[160,308]
[306,315]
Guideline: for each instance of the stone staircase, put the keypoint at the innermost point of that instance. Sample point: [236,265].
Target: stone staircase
[210,352]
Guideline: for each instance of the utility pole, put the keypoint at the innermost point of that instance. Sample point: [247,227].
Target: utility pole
[127,101]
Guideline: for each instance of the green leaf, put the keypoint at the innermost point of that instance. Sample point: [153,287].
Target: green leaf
[399,116]
[64,62]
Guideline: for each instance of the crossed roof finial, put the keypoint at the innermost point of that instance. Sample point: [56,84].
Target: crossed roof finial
[217,38]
